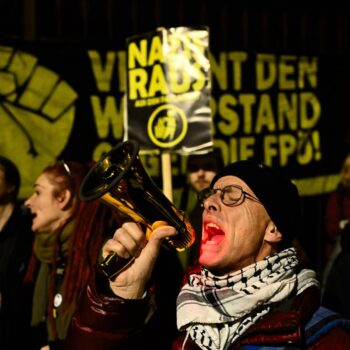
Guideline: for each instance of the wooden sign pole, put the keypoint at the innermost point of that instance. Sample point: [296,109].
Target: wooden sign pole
[166,175]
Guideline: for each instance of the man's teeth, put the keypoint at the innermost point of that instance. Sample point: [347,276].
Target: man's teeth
[212,225]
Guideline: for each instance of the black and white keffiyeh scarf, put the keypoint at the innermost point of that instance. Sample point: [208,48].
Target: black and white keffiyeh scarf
[216,310]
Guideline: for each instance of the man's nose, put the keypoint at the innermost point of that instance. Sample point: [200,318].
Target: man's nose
[212,203]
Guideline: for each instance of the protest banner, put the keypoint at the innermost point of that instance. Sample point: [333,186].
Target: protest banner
[168,93]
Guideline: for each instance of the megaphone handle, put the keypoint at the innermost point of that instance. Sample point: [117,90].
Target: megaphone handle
[113,264]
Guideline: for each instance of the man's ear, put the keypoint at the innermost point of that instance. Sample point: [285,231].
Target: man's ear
[64,199]
[272,234]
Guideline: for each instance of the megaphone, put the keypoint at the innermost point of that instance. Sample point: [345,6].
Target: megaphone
[120,181]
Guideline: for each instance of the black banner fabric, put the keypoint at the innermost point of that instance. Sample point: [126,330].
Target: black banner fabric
[61,101]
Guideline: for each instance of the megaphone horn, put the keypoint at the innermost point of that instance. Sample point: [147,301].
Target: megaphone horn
[120,181]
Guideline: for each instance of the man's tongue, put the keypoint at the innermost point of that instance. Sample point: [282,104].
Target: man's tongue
[214,235]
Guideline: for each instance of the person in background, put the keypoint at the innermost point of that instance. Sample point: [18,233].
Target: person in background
[337,287]
[16,240]
[338,208]
[337,215]
[68,237]
[249,291]
[200,171]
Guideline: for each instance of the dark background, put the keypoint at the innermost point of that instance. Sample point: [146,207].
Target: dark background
[295,27]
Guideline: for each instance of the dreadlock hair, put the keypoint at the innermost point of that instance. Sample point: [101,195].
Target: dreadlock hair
[92,224]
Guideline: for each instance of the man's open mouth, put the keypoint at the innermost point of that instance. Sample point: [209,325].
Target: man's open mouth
[213,234]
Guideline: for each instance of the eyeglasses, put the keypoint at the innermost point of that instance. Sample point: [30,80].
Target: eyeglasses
[231,195]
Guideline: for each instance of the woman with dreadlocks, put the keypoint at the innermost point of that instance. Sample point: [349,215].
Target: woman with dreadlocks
[68,236]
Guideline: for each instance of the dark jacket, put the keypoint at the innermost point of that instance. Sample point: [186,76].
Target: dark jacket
[15,305]
[337,209]
[107,323]
[337,286]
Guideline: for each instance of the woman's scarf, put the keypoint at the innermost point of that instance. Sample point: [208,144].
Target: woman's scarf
[44,249]
[216,310]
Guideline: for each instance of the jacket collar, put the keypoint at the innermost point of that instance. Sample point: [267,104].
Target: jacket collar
[282,327]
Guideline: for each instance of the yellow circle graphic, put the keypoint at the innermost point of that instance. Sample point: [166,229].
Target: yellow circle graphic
[164,124]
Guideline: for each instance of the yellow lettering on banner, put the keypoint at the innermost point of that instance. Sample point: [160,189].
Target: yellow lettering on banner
[240,148]
[317,144]
[270,148]
[137,83]
[140,103]
[287,145]
[139,78]
[198,76]
[108,115]
[309,103]
[225,149]
[237,59]
[102,73]
[284,146]
[247,101]
[305,150]
[305,146]
[293,111]
[219,69]
[265,116]
[152,165]
[287,111]
[308,70]
[230,123]
[121,71]
[186,47]
[181,72]
[175,44]
[266,71]
[286,70]
[233,150]
[158,82]
[153,101]
[156,51]
[246,149]
[137,54]
[197,37]
[178,84]
[101,149]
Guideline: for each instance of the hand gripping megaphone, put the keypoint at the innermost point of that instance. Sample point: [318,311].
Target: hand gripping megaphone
[120,181]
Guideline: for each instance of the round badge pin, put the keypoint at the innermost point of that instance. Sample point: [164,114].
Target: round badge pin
[57,301]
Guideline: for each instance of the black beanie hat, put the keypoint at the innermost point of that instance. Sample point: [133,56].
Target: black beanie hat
[277,193]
